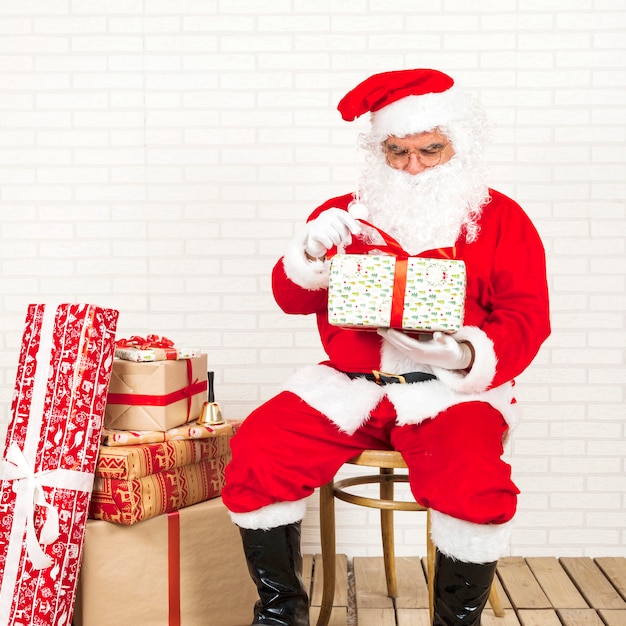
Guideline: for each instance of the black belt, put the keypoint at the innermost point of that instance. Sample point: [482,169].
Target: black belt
[384,378]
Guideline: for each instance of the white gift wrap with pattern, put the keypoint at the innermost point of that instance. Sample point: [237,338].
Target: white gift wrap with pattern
[361,292]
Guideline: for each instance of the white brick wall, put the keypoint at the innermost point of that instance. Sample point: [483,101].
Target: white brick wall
[156,155]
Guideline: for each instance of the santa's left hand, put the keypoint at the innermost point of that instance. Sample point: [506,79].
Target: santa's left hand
[441,351]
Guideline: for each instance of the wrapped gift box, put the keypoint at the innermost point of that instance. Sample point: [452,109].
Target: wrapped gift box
[417,293]
[113,437]
[156,395]
[135,483]
[130,501]
[185,568]
[50,456]
[135,461]
[155,354]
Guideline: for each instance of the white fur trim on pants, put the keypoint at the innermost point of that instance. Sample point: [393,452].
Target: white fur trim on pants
[271,516]
[469,542]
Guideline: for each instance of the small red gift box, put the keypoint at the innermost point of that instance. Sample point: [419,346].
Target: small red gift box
[50,456]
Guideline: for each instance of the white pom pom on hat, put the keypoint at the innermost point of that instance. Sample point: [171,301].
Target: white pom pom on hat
[405,102]
[358,210]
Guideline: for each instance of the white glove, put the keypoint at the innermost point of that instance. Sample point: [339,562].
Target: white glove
[441,351]
[333,227]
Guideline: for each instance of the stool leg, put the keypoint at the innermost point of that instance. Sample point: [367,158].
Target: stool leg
[327,539]
[386,524]
[494,600]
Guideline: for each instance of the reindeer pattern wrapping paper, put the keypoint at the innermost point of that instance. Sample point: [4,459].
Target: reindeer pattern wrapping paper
[49,460]
[135,483]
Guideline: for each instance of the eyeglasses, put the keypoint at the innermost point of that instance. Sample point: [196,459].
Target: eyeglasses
[399,158]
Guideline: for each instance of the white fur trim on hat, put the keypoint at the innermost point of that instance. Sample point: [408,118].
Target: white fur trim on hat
[417,114]
[469,542]
[271,516]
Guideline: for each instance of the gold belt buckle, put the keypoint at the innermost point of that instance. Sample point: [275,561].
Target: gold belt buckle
[378,374]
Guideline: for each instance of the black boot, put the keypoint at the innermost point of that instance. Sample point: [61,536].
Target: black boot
[275,564]
[461,591]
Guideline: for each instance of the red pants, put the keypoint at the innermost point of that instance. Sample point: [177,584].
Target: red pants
[285,450]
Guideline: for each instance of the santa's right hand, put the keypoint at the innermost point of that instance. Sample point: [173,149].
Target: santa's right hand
[334,227]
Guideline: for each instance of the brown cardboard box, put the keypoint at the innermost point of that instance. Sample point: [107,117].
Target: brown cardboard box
[125,572]
[158,395]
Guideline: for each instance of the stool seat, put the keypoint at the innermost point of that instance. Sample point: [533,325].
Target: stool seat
[386,461]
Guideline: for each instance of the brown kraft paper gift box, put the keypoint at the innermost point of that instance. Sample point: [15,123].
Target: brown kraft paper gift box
[134,483]
[156,395]
[134,576]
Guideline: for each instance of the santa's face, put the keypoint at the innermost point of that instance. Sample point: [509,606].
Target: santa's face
[415,153]
[421,191]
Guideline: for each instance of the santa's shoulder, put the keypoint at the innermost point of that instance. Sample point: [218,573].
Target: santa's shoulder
[502,206]
[502,212]
[500,201]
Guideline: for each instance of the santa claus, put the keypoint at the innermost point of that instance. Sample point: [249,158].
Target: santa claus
[453,405]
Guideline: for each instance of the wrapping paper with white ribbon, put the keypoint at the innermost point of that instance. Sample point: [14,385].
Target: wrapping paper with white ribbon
[49,461]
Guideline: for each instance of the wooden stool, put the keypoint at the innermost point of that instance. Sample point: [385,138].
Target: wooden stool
[387,461]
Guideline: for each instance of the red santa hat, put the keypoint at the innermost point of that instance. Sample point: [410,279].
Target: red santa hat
[405,102]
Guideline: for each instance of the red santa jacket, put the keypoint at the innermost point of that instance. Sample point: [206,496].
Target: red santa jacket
[506,321]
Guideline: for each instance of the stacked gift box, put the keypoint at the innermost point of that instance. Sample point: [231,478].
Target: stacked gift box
[154,457]
[172,555]
[137,482]
[158,526]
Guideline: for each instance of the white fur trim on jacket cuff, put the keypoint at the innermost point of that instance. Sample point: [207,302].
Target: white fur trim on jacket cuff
[483,369]
[271,516]
[310,275]
[469,542]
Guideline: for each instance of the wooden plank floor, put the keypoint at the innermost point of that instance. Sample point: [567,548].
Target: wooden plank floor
[534,591]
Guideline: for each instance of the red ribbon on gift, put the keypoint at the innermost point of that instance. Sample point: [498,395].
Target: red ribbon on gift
[173,568]
[149,342]
[397,296]
[193,388]
[393,248]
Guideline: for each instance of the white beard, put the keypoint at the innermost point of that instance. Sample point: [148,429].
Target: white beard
[424,211]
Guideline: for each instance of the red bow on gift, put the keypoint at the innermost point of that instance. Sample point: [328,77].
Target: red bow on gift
[141,343]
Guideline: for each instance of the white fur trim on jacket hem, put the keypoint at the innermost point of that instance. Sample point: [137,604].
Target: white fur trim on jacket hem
[271,516]
[419,401]
[348,403]
[469,542]
[311,275]
[345,402]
